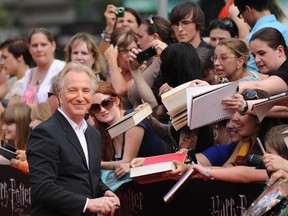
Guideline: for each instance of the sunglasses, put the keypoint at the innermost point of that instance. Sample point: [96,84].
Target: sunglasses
[250,94]
[151,22]
[106,104]
[50,94]
[226,22]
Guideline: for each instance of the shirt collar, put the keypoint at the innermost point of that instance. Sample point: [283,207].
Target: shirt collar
[82,127]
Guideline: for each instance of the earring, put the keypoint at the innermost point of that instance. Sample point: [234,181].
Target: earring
[215,134]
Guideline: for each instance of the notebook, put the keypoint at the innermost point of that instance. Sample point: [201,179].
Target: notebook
[205,106]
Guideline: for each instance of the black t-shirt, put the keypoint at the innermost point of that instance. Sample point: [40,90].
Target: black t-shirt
[282,72]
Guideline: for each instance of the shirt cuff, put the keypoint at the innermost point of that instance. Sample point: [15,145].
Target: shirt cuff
[84,210]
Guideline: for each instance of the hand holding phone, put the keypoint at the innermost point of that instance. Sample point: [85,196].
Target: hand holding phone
[146,54]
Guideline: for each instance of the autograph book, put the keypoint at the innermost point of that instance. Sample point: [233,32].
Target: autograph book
[154,167]
[128,121]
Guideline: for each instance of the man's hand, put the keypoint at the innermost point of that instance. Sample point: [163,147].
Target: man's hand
[104,205]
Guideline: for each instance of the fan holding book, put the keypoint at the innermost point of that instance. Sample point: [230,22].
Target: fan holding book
[15,126]
[134,139]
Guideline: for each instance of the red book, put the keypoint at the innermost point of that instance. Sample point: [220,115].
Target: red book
[166,158]
[154,167]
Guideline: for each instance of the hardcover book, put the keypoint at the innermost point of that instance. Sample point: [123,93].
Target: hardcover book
[180,101]
[151,173]
[262,108]
[128,121]
[154,167]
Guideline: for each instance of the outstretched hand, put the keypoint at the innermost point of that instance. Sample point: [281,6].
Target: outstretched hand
[236,103]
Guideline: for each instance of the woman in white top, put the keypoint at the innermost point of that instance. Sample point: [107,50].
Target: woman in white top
[16,60]
[37,81]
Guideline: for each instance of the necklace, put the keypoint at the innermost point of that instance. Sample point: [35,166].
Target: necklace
[39,77]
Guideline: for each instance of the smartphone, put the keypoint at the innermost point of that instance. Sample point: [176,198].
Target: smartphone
[146,54]
[121,11]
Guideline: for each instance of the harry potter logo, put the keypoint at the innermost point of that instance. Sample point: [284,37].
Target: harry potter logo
[16,197]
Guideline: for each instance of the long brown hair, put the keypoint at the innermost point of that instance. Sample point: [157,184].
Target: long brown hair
[107,149]
[20,115]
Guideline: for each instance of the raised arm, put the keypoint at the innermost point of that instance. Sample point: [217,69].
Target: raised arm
[110,18]
[115,77]
[273,85]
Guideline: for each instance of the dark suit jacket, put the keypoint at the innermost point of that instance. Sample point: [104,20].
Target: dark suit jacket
[59,177]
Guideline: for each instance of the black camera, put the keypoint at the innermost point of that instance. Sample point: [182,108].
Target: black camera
[120,11]
[146,54]
[255,160]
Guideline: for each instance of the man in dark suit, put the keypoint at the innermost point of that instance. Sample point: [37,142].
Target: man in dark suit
[64,153]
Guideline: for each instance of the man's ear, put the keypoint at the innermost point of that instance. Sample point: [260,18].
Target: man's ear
[59,96]
[248,8]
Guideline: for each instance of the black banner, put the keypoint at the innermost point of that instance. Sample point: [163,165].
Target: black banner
[198,198]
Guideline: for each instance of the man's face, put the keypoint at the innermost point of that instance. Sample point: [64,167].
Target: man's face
[76,95]
[185,30]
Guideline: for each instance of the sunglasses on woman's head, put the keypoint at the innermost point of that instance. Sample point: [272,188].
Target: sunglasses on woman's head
[250,94]
[106,104]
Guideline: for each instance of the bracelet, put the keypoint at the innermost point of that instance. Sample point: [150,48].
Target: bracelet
[106,36]
[207,173]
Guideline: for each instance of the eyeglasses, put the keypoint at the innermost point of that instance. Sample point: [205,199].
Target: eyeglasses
[183,23]
[50,94]
[106,104]
[250,94]
[125,51]
[151,22]
[221,59]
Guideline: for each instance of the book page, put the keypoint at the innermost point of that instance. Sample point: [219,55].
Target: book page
[175,99]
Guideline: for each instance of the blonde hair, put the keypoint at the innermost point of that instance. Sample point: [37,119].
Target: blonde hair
[98,66]
[238,47]
[41,111]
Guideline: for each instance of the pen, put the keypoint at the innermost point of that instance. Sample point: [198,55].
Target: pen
[260,145]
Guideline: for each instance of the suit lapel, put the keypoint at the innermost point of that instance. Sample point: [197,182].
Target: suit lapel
[92,150]
[71,136]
